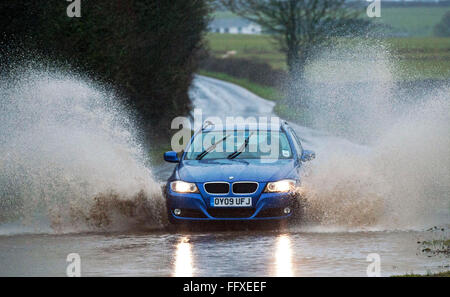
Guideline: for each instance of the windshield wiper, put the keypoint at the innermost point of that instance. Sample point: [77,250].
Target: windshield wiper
[210,148]
[241,148]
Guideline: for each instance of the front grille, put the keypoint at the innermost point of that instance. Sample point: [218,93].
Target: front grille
[231,212]
[217,188]
[245,187]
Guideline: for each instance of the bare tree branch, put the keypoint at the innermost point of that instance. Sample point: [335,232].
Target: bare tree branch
[296,25]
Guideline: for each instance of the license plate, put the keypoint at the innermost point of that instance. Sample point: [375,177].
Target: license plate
[231,201]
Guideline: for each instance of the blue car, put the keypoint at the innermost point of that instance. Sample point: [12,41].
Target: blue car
[236,177]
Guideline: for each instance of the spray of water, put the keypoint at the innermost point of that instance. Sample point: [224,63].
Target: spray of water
[394,173]
[70,160]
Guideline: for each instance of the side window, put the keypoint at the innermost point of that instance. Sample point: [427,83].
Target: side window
[297,143]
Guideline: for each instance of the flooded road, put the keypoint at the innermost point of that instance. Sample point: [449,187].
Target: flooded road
[223,253]
[345,227]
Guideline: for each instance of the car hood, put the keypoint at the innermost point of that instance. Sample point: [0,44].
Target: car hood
[200,171]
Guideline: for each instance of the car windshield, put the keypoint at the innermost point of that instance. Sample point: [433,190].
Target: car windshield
[239,144]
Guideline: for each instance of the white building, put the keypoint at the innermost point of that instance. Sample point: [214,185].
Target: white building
[234,26]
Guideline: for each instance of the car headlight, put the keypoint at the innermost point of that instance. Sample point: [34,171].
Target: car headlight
[281,186]
[180,186]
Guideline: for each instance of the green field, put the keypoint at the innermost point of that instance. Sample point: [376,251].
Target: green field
[411,21]
[253,47]
[416,58]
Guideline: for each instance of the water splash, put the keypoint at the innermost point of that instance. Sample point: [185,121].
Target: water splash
[394,173]
[70,160]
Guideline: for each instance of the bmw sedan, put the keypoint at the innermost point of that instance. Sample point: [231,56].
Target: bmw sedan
[236,174]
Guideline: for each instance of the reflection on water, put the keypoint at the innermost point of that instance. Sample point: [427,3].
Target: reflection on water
[183,258]
[242,254]
[283,256]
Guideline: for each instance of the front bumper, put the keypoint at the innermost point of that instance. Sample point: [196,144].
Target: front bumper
[195,207]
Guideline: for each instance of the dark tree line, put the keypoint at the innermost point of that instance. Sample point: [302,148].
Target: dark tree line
[147,49]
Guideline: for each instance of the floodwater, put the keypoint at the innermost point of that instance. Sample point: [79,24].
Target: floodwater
[74,183]
[218,253]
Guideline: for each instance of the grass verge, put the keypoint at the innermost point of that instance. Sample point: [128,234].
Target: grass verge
[439,274]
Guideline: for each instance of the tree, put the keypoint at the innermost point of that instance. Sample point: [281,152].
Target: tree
[148,50]
[442,29]
[297,25]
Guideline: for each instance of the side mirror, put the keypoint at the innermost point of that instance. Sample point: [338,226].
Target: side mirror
[171,157]
[308,156]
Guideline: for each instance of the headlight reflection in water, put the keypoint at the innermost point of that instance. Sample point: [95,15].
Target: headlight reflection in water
[183,259]
[283,257]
